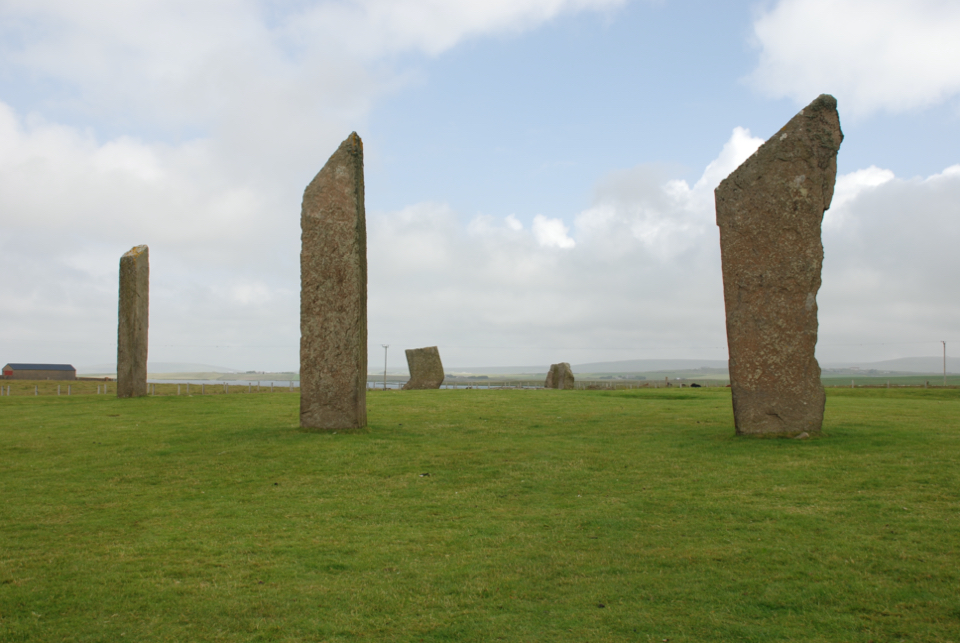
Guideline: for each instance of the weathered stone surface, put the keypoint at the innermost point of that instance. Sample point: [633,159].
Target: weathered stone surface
[333,294]
[559,376]
[133,320]
[426,369]
[769,211]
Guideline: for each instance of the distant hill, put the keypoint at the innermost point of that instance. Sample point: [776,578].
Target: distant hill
[649,365]
[624,366]
[158,367]
[915,365]
[919,365]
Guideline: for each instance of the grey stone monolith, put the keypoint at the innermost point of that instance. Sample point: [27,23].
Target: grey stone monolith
[133,320]
[770,211]
[426,369]
[560,376]
[333,294]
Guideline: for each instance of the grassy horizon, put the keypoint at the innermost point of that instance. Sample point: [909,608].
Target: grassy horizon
[471,515]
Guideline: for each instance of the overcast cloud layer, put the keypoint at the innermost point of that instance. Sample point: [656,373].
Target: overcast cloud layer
[193,128]
[892,55]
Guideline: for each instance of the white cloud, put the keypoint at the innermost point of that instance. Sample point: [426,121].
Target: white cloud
[551,233]
[376,27]
[892,55]
[643,279]
[637,277]
[849,187]
[236,102]
[666,216]
[250,71]
[243,103]
[889,261]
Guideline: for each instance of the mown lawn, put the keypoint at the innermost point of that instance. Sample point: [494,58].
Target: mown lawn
[477,515]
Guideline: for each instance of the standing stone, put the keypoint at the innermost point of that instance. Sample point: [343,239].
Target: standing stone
[769,211]
[333,294]
[426,369]
[133,319]
[560,376]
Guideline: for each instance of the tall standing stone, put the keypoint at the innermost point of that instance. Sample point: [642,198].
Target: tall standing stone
[133,320]
[333,294]
[426,369]
[769,211]
[560,376]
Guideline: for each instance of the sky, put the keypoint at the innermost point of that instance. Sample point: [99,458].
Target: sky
[539,173]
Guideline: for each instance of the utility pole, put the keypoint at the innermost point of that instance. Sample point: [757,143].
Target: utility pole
[385,347]
[944,342]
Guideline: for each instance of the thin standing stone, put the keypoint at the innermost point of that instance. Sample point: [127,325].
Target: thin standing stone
[770,211]
[333,294]
[133,321]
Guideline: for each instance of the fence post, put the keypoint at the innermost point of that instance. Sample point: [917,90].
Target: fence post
[35,390]
[178,390]
[68,389]
[58,389]
[201,388]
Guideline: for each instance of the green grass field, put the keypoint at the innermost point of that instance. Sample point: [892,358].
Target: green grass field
[502,515]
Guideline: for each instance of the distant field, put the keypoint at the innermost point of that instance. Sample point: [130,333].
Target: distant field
[217,376]
[894,380]
[81,387]
[705,377]
[478,516]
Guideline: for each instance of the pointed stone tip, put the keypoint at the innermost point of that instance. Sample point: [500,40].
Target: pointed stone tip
[824,101]
[355,140]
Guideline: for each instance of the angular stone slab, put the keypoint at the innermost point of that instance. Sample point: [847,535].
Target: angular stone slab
[333,294]
[560,376]
[769,211]
[133,320]
[426,369]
